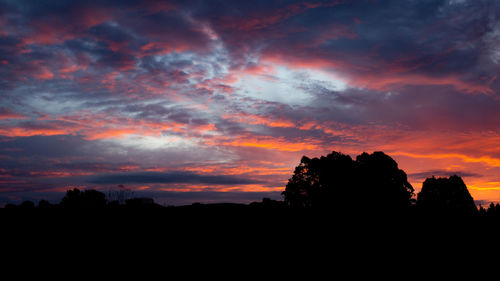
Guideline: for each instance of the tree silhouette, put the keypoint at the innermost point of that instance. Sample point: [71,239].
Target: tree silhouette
[44,204]
[313,179]
[446,195]
[336,181]
[120,196]
[27,205]
[83,199]
[382,182]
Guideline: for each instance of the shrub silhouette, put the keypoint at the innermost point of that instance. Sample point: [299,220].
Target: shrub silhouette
[141,202]
[27,205]
[446,195]
[83,199]
[335,181]
[44,204]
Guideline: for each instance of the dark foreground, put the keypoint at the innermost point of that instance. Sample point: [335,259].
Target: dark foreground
[238,236]
[231,220]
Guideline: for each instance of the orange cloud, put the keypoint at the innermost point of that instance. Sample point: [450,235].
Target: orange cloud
[254,119]
[28,132]
[493,162]
[279,144]
[241,168]
[108,133]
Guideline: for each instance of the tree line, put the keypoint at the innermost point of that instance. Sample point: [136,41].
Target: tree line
[371,182]
[336,183]
[91,199]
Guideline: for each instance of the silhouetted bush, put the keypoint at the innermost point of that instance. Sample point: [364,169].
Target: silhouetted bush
[372,181]
[268,203]
[492,213]
[141,202]
[446,195]
[44,204]
[114,204]
[83,199]
[120,195]
[27,205]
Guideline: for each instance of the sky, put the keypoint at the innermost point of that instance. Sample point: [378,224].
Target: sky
[216,101]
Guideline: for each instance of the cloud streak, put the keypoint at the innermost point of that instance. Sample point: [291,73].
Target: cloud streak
[177,177]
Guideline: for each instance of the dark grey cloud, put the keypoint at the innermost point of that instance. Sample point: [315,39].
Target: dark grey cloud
[112,33]
[416,107]
[44,146]
[443,173]
[170,177]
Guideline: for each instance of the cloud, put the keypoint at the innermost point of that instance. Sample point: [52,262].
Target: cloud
[170,177]
[443,173]
[232,88]
[6,113]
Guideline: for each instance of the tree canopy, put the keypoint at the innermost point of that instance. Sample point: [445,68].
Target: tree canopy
[337,181]
[83,199]
[446,195]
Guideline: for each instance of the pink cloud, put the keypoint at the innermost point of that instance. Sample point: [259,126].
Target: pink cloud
[44,74]
[9,114]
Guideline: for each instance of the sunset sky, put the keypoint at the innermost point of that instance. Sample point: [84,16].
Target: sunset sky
[216,101]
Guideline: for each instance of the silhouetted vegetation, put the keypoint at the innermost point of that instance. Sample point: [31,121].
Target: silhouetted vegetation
[336,183]
[446,195]
[27,205]
[44,204]
[493,211]
[141,203]
[372,181]
[83,199]
[268,203]
[120,196]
